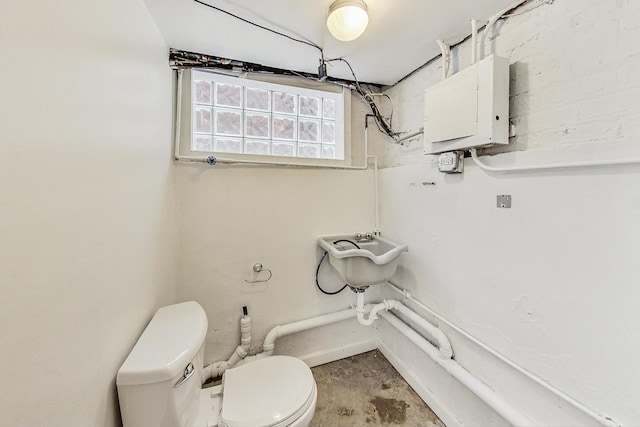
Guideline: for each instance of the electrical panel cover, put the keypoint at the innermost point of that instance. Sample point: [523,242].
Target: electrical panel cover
[468,109]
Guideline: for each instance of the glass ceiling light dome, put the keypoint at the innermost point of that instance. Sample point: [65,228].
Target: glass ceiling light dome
[347,19]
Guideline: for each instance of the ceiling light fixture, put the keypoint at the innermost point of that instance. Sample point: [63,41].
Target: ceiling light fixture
[347,19]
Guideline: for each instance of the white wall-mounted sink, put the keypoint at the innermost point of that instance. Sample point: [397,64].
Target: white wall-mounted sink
[374,259]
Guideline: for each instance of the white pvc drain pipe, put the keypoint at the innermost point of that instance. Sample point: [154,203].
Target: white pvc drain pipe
[480,389]
[441,353]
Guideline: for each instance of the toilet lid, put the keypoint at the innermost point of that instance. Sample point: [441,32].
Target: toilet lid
[266,392]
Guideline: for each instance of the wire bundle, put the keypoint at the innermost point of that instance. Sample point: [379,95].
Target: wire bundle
[383,125]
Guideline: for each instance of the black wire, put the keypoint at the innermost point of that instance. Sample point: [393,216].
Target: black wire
[355,79]
[318,284]
[262,27]
[382,125]
[320,264]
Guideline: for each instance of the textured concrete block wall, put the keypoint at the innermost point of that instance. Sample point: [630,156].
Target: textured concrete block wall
[575,77]
[549,283]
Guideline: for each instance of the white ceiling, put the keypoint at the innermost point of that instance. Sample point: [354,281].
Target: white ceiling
[400,37]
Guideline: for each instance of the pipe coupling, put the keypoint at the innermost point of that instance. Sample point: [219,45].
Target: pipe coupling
[241,352]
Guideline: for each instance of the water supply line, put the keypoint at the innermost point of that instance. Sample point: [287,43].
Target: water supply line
[216,369]
[604,421]
[376,207]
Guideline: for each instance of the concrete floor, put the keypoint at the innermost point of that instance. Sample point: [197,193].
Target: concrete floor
[365,390]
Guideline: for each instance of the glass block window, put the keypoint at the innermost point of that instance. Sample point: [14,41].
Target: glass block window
[239,116]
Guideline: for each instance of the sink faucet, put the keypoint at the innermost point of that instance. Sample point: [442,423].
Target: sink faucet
[363,237]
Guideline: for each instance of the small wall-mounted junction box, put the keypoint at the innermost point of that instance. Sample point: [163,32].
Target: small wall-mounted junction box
[451,162]
[469,109]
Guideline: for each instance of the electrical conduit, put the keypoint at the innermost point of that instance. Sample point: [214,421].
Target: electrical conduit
[488,28]
[584,164]
[446,58]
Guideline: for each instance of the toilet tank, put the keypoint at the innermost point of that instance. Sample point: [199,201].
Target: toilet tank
[150,387]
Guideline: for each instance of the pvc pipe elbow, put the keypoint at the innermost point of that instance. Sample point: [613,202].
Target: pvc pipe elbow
[270,339]
[241,352]
[266,348]
[363,321]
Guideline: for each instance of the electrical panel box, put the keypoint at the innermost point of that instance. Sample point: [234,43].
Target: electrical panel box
[469,109]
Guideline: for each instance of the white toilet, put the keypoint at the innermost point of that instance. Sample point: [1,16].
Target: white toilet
[160,382]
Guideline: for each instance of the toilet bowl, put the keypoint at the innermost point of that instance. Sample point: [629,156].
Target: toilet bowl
[160,382]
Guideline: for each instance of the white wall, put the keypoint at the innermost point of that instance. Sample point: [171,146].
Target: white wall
[87,226]
[86,205]
[231,217]
[552,282]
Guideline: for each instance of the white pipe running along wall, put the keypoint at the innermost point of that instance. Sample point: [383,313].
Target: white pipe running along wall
[488,396]
[442,353]
[482,165]
[599,418]
[435,334]
[269,345]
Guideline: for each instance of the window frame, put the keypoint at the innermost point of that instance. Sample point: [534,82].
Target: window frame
[294,85]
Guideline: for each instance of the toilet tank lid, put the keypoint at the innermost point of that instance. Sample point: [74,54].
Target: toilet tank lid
[167,345]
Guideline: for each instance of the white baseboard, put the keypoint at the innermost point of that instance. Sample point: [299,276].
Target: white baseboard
[333,354]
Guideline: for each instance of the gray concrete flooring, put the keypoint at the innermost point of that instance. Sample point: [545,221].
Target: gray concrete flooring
[365,390]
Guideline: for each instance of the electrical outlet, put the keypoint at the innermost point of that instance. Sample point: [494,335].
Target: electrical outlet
[451,162]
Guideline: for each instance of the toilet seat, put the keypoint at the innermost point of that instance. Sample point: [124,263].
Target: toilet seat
[269,392]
